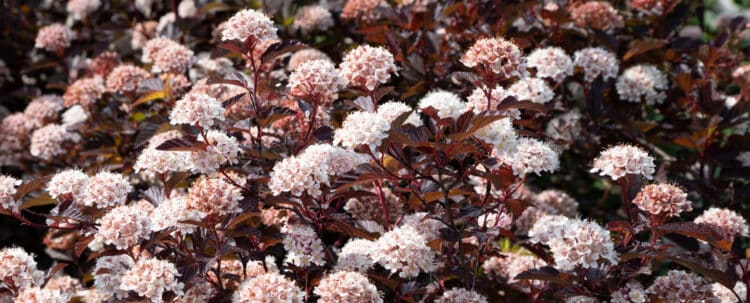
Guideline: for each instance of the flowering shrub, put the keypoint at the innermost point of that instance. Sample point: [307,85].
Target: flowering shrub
[373,151]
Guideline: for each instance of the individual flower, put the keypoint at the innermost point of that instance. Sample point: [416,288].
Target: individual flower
[305,55]
[151,278]
[220,149]
[595,62]
[142,32]
[105,190]
[317,80]
[124,227]
[7,191]
[446,104]
[574,242]
[34,294]
[108,273]
[312,18]
[197,108]
[367,67]
[173,58]
[502,57]
[80,9]
[125,78]
[405,251]
[268,288]
[479,102]
[364,10]
[681,286]
[726,221]
[19,268]
[662,199]
[632,292]
[71,182]
[642,82]
[54,38]
[461,295]
[597,15]
[44,109]
[303,246]
[47,142]
[84,92]
[622,160]
[565,129]
[550,62]
[213,196]
[392,110]
[532,156]
[249,24]
[355,255]
[362,128]
[531,89]
[347,286]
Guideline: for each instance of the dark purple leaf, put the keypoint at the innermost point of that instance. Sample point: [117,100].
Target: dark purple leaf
[281,48]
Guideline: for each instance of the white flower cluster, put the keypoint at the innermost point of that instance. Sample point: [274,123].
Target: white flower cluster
[302,245]
[642,83]
[404,250]
[574,242]
[362,128]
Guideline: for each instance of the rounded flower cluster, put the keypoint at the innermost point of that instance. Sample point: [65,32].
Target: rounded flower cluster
[54,37]
[532,156]
[196,108]
[318,80]
[510,265]
[550,62]
[19,268]
[531,89]
[302,245]
[574,242]
[268,288]
[445,103]
[171,212]
[355,255]
[461,295]
[392,110]
[405,251]
[80,9]
[104,63]
[662,199]
[306,55]
[151,278]
[249,24]
[548,202]
[123,226]
[367,67]
[311,169]
[347,286]
[312,18]
[105,190]
[70,182]
[153,46]
[125,78]
[7,191]
[642,82]
[155,163]
[108,273]
[632,292]
[174,58]
[15,132]
[362,128]
[681,286]
[43,110]
[622,160]
[66,285]
[726,221]
[36,294]
[595,62]
[478,102]
[565,128]
[425,225]
[220,149]
[84,92]
[365,10]
[597,15]
[498,55]
[213,196]
[47,142]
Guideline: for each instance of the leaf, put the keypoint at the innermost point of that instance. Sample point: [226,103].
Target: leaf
[465,77]
[241,218]
[477,123]
[348,229]
[642,46]
[54,270]
[43,199]
[699,231]
[273,114]
[364,103]
[175,179]
[26,188]
[382,92]
[280,48]
[187,143]
[527,105]
[231,78]
[82,244]
[232,100]
[233,46]
[546,273]
[145,132]
[160,94]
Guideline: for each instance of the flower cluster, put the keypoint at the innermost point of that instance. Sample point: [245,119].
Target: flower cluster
[367,67]
[574,242]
